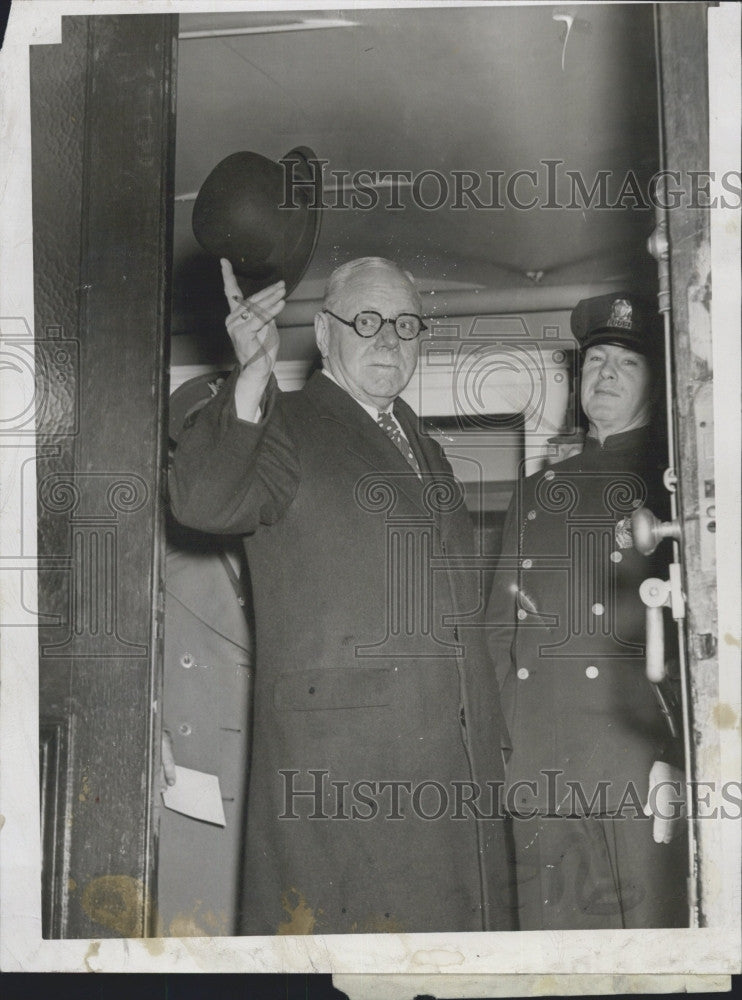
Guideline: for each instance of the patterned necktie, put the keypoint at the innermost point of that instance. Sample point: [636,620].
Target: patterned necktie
[390,428]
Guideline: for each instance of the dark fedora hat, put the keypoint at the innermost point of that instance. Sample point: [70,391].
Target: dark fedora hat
[263,216]
[618,318]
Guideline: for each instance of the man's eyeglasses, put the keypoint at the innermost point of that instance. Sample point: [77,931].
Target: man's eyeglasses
[369,322]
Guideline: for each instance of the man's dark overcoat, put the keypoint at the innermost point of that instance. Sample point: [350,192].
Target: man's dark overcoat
[570,650]
[371,667]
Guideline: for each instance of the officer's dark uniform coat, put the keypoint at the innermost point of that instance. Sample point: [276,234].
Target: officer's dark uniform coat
[569,646]
[361,668]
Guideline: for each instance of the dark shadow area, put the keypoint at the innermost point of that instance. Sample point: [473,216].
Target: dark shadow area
[112,986]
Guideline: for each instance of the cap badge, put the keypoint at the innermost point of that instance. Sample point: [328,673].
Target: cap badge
[620,314]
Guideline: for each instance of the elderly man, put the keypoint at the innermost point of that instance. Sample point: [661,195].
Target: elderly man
[377,721]
[586,725]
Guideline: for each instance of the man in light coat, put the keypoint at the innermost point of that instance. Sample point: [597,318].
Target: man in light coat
[378,739]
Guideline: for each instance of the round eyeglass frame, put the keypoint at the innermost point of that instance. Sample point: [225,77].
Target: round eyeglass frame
[353,324]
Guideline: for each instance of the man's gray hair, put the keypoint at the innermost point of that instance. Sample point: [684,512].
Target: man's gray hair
[337,280]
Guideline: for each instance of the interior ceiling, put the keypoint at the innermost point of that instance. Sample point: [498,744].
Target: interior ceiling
[476,89]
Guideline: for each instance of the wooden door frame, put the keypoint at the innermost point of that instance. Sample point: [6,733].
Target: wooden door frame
[683,76]
[102,118]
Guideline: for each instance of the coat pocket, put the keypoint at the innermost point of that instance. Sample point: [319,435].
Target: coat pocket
[333,688]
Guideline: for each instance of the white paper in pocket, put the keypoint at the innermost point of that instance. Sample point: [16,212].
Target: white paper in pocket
[196,794]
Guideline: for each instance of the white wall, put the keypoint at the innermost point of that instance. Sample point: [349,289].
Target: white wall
[468,365]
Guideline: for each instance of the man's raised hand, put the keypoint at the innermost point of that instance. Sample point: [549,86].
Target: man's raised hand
[252,329]
[251,324]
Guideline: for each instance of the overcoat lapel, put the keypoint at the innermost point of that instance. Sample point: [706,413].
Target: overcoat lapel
[361,436]
[199,581]
[409,421]
[434,463]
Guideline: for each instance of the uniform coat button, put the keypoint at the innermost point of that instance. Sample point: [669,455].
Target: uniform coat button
[592,672]
[523,674]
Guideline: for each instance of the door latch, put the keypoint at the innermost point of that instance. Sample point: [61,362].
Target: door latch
[658,594]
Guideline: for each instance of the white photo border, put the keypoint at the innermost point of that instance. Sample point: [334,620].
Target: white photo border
[681,952]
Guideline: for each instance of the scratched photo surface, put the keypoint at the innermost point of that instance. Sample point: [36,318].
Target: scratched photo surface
[372,458]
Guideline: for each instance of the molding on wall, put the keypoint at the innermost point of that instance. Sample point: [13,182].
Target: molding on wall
[290,374]
[449,381]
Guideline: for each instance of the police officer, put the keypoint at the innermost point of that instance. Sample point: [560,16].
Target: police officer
[588,735]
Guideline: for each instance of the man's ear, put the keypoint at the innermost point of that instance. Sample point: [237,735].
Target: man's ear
[321,333]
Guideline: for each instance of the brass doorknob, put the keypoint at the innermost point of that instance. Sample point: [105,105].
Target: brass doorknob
[649,531]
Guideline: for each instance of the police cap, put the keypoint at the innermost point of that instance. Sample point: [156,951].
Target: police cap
[620,318]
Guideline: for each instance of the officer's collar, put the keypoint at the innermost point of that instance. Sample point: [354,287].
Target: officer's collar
[625,441]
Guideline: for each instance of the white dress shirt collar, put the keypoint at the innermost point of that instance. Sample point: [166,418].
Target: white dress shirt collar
[372,411]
